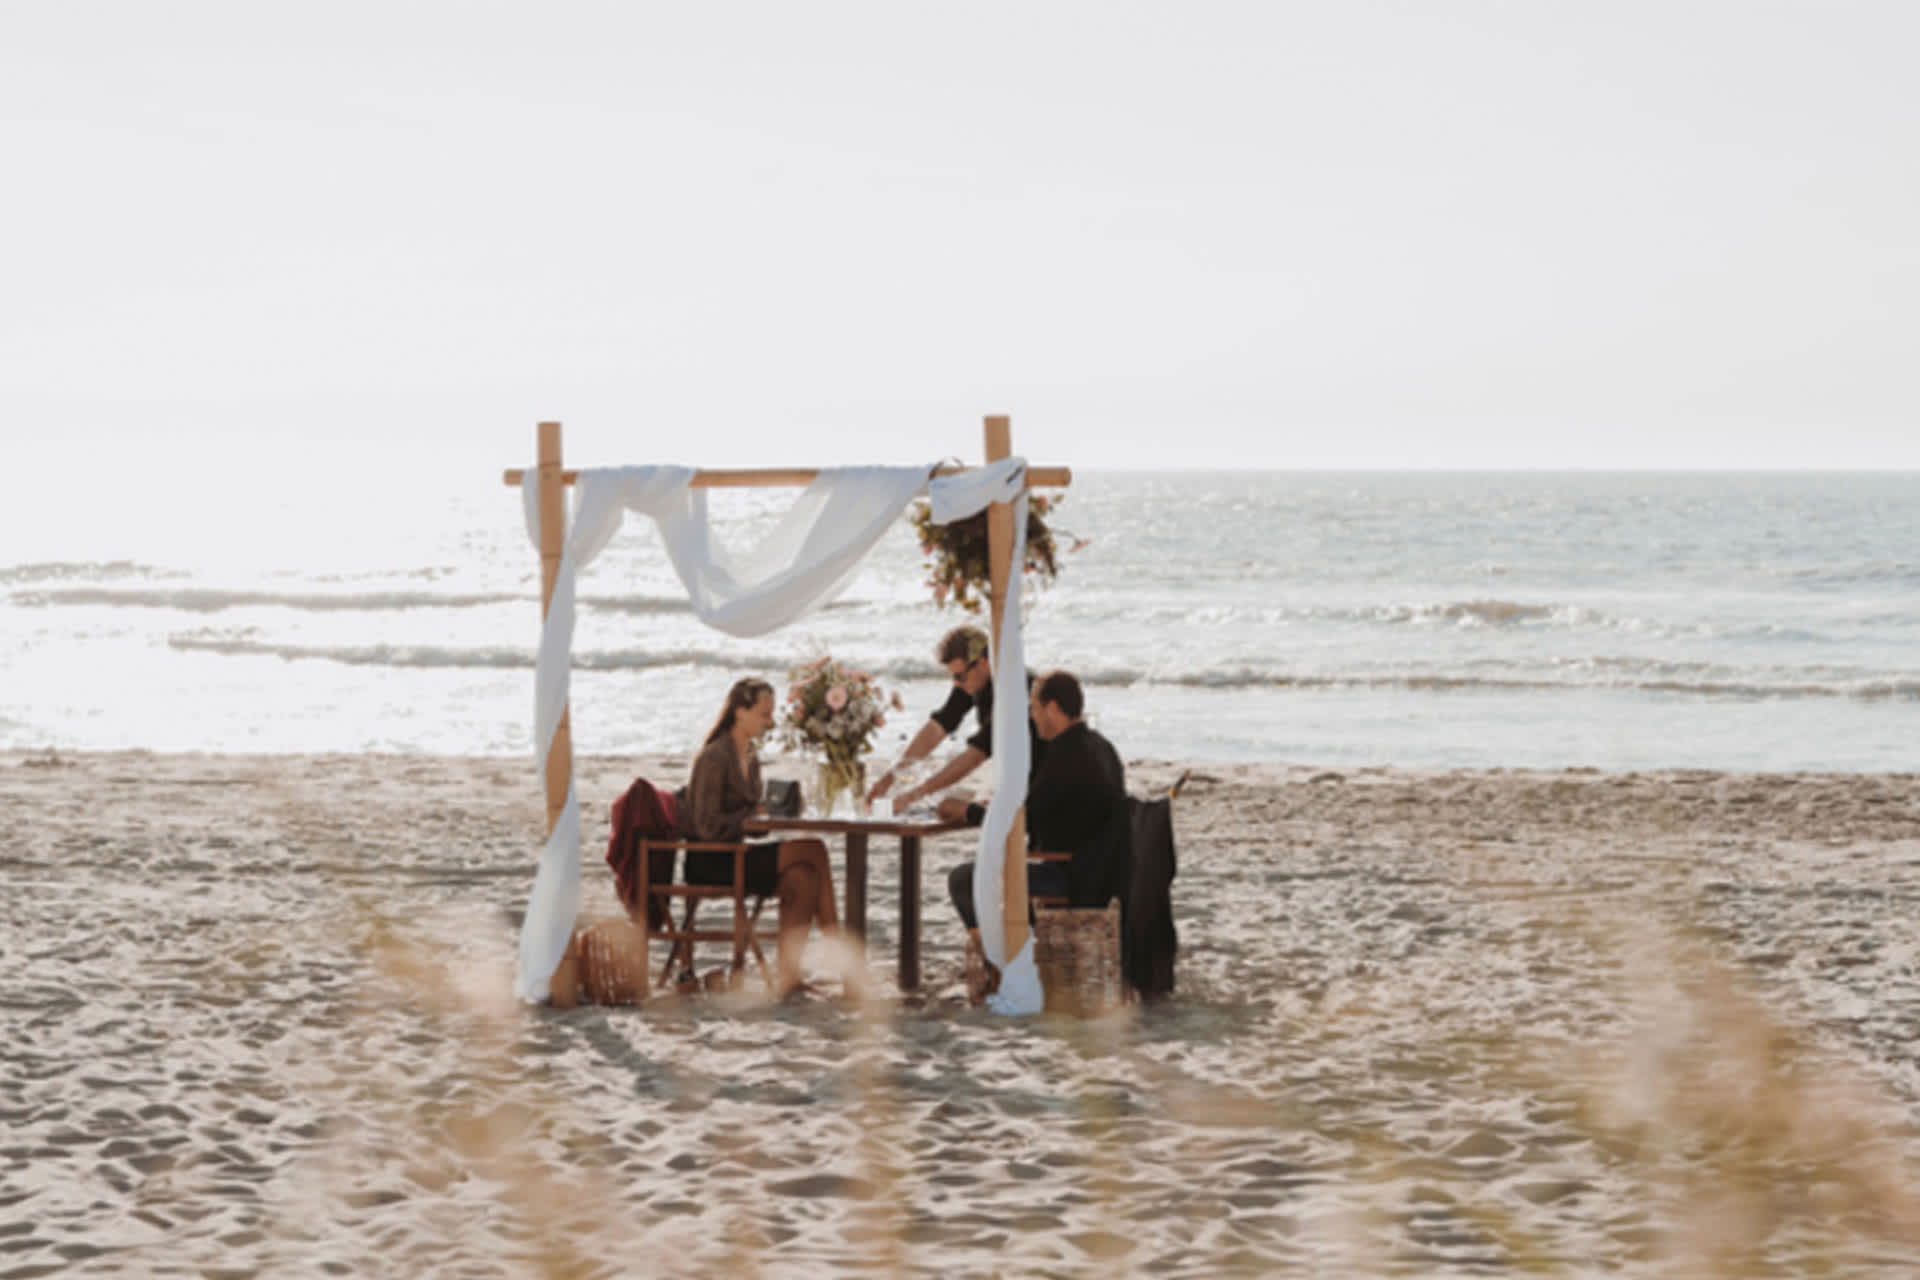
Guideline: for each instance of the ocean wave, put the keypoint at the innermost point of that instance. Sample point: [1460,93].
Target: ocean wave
[1491,613]
[1891,689]
[1857,573]
[360,655]
[85,570]
[1458,613]
[641,606]
[430,657]
[1685,679]
[218,599]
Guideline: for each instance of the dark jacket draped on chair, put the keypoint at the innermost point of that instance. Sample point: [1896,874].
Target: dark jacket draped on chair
[648,812]
[1148,941]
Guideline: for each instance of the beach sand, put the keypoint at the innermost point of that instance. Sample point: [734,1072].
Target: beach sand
[256,1020]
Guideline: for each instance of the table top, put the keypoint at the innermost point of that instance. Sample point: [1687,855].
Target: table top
[875,824]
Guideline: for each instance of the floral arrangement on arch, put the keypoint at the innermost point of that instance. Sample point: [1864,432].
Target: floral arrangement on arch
[957,565]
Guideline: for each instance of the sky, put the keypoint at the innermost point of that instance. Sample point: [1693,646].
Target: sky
[1286,235]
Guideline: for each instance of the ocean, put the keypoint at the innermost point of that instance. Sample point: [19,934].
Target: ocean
[1620,621]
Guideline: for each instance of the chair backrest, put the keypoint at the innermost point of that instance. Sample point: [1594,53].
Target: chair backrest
[644,812]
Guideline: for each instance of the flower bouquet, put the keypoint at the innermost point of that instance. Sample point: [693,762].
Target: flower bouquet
[957,565]
[835,709]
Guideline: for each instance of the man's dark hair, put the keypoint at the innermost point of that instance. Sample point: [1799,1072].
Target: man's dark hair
[1063,691]
[968,644]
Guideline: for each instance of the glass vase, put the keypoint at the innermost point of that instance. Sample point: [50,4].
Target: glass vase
[843,788]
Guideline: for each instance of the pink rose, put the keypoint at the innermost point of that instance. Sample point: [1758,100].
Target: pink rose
[837,697]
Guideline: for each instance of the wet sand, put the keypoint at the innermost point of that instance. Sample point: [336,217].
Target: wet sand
[256,1020]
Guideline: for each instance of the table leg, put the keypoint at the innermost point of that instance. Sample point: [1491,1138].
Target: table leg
[855,916]
[909,913]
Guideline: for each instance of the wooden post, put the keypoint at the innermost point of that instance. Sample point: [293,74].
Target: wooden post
[553,541]
[999,444]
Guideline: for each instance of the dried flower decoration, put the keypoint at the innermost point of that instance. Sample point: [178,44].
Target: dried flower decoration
[956,554]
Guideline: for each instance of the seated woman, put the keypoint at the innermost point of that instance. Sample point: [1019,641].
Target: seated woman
[724,791]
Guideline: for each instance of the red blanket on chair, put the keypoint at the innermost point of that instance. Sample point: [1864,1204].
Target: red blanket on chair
[645,811]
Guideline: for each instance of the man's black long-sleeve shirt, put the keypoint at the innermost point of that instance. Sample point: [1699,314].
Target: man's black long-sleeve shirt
[952,713]
[1077,803]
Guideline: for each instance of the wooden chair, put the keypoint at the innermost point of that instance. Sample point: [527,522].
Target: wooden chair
[682,936]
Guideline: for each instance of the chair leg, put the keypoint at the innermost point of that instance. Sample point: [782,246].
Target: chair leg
[666,970]
[665,906]
[741,932]
[753,943]
[682,945]
[746,941]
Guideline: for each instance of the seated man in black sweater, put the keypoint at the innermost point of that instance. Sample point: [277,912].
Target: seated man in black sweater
[1076,804]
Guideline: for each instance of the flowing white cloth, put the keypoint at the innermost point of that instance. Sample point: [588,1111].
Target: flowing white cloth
[952,498]
[801,564]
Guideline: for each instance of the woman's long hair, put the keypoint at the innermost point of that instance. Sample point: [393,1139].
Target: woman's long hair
[739,698]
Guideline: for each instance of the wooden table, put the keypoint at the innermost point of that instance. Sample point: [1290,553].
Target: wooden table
[857,831]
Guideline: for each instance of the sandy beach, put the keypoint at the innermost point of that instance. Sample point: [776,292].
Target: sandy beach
[256,1021]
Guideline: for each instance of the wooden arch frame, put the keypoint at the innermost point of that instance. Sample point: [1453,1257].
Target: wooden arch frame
[552,477]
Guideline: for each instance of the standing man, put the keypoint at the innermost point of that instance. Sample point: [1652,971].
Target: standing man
[963,652]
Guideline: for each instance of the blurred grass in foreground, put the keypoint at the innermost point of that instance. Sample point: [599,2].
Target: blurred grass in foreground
[1729,1143]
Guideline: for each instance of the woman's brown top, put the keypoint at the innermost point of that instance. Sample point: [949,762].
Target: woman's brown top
[720,797]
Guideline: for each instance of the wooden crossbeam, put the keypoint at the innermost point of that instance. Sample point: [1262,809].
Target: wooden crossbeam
[770,477]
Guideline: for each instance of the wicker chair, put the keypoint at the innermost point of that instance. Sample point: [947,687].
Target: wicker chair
[1077,950]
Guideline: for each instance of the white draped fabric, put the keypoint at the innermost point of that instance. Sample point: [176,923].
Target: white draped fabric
[953,498]
[801,564]
[804,562]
